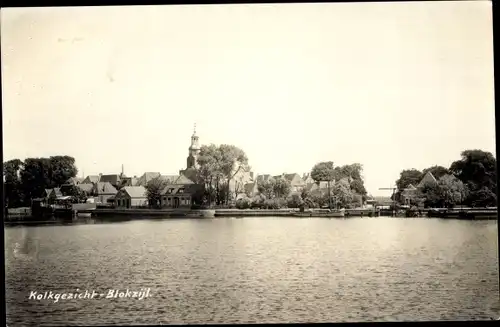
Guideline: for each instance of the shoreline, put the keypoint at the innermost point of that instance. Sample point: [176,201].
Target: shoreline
[112,214]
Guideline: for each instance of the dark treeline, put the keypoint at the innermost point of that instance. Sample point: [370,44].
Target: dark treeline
[470,181]
[24,180]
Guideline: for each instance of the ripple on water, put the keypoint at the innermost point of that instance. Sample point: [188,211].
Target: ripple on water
[258,270]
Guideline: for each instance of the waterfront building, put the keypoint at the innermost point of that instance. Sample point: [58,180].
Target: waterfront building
[130,197]
[178,195]
[104,192]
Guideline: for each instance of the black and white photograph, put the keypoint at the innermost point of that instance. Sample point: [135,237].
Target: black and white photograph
[249,163]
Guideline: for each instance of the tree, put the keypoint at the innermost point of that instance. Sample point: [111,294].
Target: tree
[218,166]
[12,183]
[153,190]
[342,192]
[477,170]
[209,172]
[36,176]
[265,187]
[324,172]
[436,171]
[295,201]
[74,191]
[407,177]
[351,172]
[281,187]
[358,187]
[233,161]
[62,168]
[452,189]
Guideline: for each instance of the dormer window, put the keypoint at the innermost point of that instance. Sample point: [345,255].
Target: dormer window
[181,190]
[170,190]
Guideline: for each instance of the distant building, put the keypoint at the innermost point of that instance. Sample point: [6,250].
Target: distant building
[131,196]
[178,195]
[86,187]
[91,179]
[427,179]
[146,178]
[113,179]
[129,181]
[104,192]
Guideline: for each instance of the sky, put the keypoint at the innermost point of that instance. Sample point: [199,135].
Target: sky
[392,86]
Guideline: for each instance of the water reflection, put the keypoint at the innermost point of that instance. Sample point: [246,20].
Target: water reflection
[258,270]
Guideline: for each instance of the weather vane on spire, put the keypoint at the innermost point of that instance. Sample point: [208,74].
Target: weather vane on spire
[194,131]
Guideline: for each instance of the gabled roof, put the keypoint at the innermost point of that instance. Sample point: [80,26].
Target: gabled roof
[428,178]
[410,188]
[114,179]
[48,191]
[175,188]
[183,180]
[135,191]
[170,179]
[86,187]
[91,179]
[146,177]
[104,188]
[57,191]
[294,179]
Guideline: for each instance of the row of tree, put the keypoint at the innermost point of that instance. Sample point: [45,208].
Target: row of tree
[345,188]
[28,179]
[470,181]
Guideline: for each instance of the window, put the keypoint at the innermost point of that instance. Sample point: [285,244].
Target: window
[181,190]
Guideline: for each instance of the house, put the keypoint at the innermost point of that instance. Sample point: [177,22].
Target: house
[308,179]
[296,182]
[131,196]
[146,178]
[408,194]
[427,179]
[178,195]
[86,187]
[113,179]
[91,179]
[104,192]
[129,181]
[249,190]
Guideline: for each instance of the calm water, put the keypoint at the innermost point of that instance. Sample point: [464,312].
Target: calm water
[256,270]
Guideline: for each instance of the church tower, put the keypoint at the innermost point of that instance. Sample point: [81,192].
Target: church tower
[194,150]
